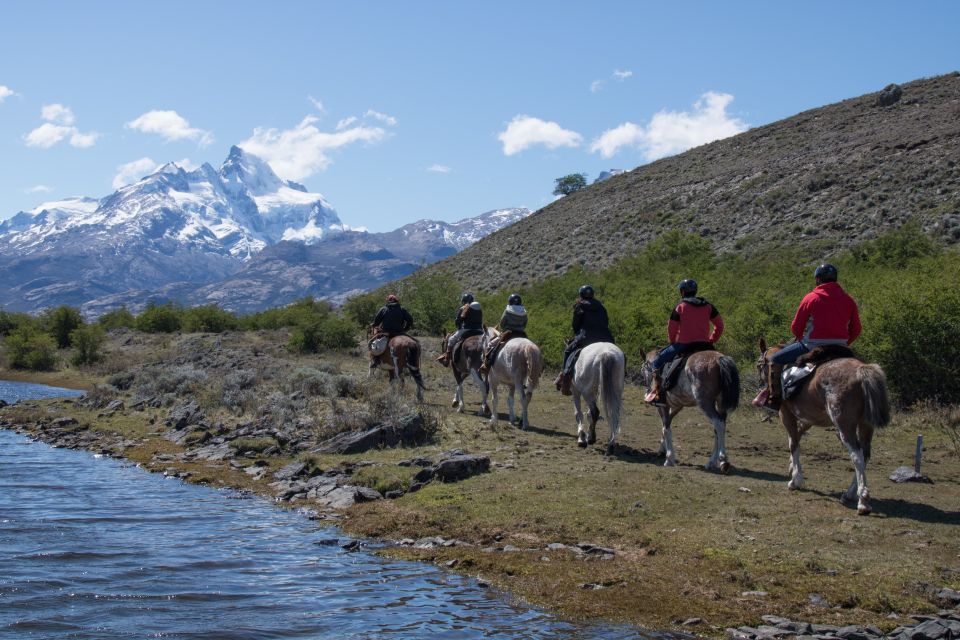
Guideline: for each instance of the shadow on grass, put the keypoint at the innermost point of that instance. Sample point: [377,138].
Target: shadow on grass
[552,433]
[897,508]
[758,475]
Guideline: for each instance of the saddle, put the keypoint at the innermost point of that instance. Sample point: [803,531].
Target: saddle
[794,376]
[457,348]
[671,370]
[490,354]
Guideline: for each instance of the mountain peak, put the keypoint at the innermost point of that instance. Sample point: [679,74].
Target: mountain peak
[242,170]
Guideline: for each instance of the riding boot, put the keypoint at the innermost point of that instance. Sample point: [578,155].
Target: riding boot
[655,395]
[444,358]
[775,385]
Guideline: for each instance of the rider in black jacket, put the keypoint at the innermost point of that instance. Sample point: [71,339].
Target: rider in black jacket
[590,324]
[392,319]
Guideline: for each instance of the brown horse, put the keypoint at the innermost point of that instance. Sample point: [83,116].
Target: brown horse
[845,393]
[709,380]
[467,363]
[402,354]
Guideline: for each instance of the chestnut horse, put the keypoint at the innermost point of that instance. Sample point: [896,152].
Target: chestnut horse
[402,354]
[845,393]
[599,373]
[518,366]
[466,365]
[709,380]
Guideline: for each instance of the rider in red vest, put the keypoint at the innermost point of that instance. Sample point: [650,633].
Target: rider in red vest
[827,315]
[689,327]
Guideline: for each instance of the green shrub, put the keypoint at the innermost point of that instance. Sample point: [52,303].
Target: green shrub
[28,348]
[87,344]
[159,318]
[332,333]
[208,319]
[117,319]
[61,323]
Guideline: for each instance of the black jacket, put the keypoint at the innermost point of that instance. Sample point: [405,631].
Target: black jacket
[470,317]
[590,322]
[392,318]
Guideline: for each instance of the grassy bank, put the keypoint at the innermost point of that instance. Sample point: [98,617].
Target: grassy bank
[688,543]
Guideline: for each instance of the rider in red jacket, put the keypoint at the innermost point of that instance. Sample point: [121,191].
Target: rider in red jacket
[827,315]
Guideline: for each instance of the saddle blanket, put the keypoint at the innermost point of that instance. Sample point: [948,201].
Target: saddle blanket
[671,370]
[792,378]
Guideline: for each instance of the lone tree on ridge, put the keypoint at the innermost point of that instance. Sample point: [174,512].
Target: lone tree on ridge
[570,183]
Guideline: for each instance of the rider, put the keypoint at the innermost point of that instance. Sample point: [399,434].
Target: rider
[469,319]
[513,324]
[689,326]
[827,315]
[392,319]
[590,324]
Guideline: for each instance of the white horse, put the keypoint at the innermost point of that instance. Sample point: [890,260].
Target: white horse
[599,372]
[518,365]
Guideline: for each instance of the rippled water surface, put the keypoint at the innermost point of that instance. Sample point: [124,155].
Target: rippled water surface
[95,548]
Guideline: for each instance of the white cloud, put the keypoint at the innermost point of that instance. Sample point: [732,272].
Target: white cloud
[58,114]
[59,126]
[671,132]
[317,104]
[622,75]
[40,188]
[525,131]
[132,171]
[439,168]
[382,117]
[596,85]
[187,164]
[303,150]
[171,126]
[618,75]
[346,122]
[6,92]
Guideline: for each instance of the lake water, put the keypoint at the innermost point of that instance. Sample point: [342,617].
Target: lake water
[92,547]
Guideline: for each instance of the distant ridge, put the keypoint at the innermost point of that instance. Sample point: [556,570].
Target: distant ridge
[821,180]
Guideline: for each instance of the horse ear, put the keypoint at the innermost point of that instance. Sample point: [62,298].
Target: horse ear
[763,346]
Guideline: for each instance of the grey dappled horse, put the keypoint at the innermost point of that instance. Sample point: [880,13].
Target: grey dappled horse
[467,365]
[518,366]
[599,373]
[709,380]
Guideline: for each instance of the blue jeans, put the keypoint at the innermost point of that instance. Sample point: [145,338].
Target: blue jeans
[790,353]
[669,353]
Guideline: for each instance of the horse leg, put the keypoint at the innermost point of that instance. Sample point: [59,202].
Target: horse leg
[511,390]
[484,390]
[525,398]
[858,488]
[594,416]
[494,416]
[578,414]
[666,437]
[718,459]
[789,422]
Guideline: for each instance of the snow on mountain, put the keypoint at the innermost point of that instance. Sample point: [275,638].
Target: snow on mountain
[606,175]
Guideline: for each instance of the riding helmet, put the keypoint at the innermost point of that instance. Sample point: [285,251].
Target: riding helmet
[586,292]
[687,287]
[466,298]
[514,299]
[826,273]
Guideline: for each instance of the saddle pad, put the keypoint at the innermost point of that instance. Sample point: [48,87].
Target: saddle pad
[572,360]
[379,345]
[671,371]
[793,377]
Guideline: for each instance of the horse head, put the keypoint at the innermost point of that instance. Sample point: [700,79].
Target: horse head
[763,362]
[646,371]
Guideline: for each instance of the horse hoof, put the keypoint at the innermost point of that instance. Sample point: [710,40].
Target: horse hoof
[581,444]
[610,449]
[793,486]
[725,467]
[455,404]
[670,463]
[864,510]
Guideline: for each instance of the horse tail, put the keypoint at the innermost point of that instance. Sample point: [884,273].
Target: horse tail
[534,366]
[611,389]
[876,405]
[729,384]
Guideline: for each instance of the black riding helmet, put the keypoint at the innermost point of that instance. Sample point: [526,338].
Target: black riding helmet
[687,288]
[586,292]
[825,273]
[466,298]
[514,299]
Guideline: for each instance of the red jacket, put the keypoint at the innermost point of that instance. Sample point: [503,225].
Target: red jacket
[691,320]
[827,313]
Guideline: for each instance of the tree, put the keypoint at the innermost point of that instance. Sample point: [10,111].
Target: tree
[61,322]
[570,183]
[88,344]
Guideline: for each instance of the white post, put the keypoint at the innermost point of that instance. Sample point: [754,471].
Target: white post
[916,457]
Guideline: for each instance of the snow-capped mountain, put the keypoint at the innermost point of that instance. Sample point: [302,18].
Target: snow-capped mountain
[333,268]
[183,235]
[606,175]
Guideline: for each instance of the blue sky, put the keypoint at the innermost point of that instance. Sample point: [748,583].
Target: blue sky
[459,108]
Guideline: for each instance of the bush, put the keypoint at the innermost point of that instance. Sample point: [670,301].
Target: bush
[159,318]
[88,344]
[117,319]
[300,313]
[28,348]
[208,319]
[61,323]
[332,333]
[10,321]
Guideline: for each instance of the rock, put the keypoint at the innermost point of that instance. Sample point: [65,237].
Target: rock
[817,600]
[290,471]
[64,422]
[591,585]
[766,631]
[908,474]
[890,95]
[416,462]
[428,543]
[949,595]
[852,632]
[450,564]
[592,549]
[410,431]
[824,629]
[115,405]
[510,547]
[754,594]
[423,476]
[775,620]
[3,403]
[929,630]
[184,414]
[460,467]
[556,546]
[737,634]
[352,545]
[690,622]
[394,494]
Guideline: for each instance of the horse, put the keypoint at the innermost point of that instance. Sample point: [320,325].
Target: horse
[467,364]
[845,393]
[599,372]
[518,366]
[709,380]
[402,354]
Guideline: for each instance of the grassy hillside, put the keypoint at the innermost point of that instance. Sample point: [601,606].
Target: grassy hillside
[822,180]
